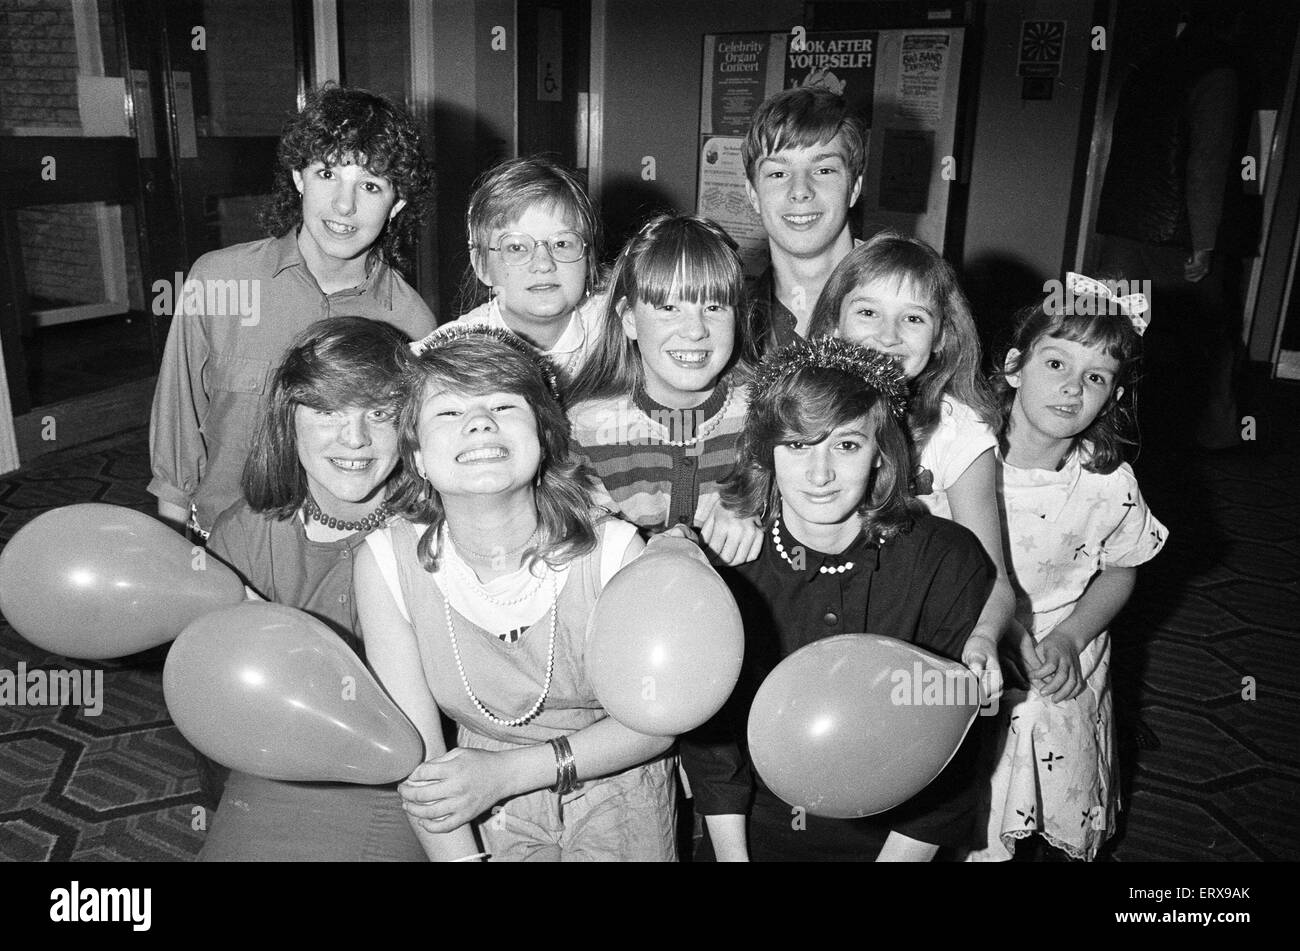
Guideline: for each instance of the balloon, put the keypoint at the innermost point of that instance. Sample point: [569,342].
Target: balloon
[855,724]
[666,643]
[273,692]
[99,581]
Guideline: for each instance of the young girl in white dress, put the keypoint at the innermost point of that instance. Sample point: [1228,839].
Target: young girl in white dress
[1076,529]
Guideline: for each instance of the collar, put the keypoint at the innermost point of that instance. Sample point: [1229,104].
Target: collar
[378,283]
[704,412]
[1043,493]
[572,340]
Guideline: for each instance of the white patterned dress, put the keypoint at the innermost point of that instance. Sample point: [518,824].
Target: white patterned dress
[1053,767]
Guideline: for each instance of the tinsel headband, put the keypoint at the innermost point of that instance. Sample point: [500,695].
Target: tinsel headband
[452,332]
[873,368]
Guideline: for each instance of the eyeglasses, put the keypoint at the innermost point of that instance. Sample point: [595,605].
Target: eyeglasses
[517,249]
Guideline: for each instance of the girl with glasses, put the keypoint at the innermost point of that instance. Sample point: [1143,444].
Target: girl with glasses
[534,252]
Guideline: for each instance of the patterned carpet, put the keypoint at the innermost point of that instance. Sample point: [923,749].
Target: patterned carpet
[1208,774]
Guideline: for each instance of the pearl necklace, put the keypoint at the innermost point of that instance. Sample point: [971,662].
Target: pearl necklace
[550,665]
[371,521]
[480,590]
[704,432]
[780,550]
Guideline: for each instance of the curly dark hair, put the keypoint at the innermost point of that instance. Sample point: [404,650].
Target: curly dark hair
[340,121]
[1092,324]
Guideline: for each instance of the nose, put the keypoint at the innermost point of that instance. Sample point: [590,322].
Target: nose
[820,471]
[542,259]
[887,332]
[1072,386]
[355,433]
[479,420]
[693,325]
[345,200]
[801,186]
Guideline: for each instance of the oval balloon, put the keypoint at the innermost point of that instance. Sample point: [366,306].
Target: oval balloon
[271,691]
[99,581]
[666,644]
[855,724]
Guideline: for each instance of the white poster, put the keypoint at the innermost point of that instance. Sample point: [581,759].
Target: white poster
[722,197]
[923,66]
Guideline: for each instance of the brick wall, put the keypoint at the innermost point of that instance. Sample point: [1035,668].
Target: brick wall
[38,64]
[61,252]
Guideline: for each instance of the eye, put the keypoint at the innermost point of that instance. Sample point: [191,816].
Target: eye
[373,187]
[796,446]
[514,247]
[382,415]
[828,170]
[447,412]
[1098,378]
[1054,364]
[504,406]
[865,312]
[916,318]
[567,242]
[717,308]
[667,307]
[848,445]
[325,173]
[776,173]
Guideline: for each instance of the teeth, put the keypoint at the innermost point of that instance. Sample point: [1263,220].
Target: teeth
[352,463]
[338,228]
[487,452]
[695,357]
[801,219]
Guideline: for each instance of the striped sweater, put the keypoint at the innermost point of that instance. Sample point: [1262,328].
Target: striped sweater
[655,485]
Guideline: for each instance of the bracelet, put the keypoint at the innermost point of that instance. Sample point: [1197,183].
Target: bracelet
[474,858]
[566,769]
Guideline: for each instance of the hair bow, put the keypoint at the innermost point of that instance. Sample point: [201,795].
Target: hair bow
[1133,306]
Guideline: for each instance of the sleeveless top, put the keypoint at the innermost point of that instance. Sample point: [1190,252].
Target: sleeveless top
[506,677]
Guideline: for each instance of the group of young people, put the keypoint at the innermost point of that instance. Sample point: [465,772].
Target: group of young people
[453,500]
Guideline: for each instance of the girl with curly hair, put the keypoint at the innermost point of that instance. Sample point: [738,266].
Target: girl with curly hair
[352,182]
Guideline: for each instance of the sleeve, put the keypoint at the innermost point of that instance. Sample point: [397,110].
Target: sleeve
[1139,536]
[228,542]
[960,582]
[960,438]
[942,813]
[180,403]
[1212,110]
[577,432]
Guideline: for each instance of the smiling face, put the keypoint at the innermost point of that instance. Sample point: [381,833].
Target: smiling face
[803,196]
[344,209]
[347,454]
[543,290]
[822,484]
[893,317]
[684,347]
[477,445]
[1061,386]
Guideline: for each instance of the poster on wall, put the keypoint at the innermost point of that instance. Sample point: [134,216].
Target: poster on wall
[722,197]
[735,71]
[844,63]
[921,76]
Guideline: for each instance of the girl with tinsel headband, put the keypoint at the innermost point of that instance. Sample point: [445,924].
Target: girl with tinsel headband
[824,464]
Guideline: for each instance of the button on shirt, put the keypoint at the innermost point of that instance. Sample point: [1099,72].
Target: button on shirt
[237,314]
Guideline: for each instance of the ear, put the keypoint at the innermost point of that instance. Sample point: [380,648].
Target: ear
[397,206]
[627,315]
[418,457]
[857,190]
[479,265]
[1118,394]
[752,194]
[297,180]
[1012,360]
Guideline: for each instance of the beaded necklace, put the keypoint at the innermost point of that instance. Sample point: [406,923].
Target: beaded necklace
[371,521]
[780,550]
[708,428]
